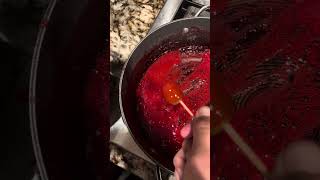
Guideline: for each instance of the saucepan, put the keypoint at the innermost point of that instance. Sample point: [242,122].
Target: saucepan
[179,33]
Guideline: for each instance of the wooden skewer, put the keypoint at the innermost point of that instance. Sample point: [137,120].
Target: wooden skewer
[246,149]
[237,139]
[224,101]
[186,108]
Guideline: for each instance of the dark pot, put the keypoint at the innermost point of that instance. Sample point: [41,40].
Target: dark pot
[180,33]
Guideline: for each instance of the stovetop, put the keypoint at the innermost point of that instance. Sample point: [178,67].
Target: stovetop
[19,21]
[178,9]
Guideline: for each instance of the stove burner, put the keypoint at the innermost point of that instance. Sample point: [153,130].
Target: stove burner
[189,8]
[177,9]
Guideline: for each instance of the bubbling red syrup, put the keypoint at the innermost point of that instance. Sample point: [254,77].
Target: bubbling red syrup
[276,88]
[190,70]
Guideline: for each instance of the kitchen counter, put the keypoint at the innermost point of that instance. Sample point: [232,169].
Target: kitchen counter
[136,165]
[130,21]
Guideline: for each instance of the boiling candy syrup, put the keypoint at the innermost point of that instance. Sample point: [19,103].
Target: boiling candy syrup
[190,71]
[275,85]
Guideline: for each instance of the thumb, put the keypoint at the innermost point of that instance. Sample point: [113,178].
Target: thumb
[201,131]
[300,159]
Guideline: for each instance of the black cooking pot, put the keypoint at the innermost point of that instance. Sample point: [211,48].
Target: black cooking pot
[180,33]
[69,91]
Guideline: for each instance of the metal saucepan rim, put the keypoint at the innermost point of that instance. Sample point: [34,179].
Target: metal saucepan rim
[120,87]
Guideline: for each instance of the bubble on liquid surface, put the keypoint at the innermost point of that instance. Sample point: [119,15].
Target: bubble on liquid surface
[185,30]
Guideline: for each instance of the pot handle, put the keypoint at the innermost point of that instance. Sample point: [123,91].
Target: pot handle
[201,10]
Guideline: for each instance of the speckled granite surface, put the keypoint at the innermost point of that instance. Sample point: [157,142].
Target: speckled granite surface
[132,163]
[130,21]
[136,165]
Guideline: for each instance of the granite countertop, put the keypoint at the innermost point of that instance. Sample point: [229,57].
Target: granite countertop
[126,160]
[130,21]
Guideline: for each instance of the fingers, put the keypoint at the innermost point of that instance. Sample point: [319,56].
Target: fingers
[177,176]
[203,111]
[181,157]
[301,156]
[178,162]
[201,131]
[196,141]
[187,147]
[186,131]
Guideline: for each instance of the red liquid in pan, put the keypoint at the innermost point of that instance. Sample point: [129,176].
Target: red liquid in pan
[284,101]
[191,72]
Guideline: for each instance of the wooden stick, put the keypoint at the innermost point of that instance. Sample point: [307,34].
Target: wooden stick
[237,139]
[251,155]
[186,108]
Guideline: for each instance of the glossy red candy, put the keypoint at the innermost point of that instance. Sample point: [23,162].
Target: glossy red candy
[172,93]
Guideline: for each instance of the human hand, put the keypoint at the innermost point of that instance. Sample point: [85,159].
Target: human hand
[300,161]
[192,161]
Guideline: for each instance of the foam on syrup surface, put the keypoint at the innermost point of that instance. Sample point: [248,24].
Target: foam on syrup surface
[276,88]
[190,70]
